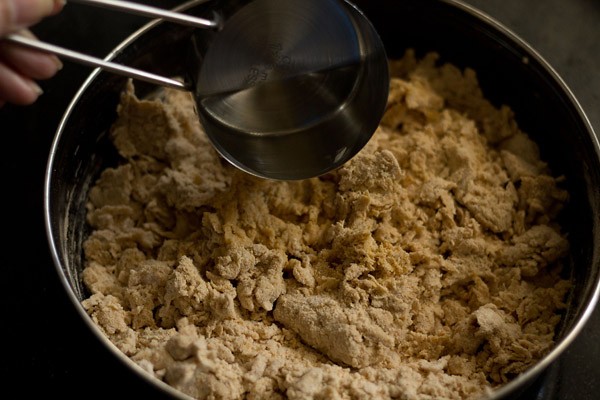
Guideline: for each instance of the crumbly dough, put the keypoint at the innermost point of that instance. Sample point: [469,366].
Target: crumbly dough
[427,267]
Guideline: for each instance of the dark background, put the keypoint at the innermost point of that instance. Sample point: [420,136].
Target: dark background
[45,348]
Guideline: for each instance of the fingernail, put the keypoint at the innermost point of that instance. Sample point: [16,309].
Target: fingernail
[36,88]
[58,5]
[59,64]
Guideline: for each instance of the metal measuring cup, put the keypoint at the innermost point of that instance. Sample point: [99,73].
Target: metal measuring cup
[291,89]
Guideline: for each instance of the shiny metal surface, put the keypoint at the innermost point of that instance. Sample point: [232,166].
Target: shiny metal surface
[153,12]
[291,89]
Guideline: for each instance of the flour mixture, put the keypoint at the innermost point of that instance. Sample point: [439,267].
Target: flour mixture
[425,268]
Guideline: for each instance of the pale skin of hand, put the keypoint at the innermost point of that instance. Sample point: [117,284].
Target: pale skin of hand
[20,67]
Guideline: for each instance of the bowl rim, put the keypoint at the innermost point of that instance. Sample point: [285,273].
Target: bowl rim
[519,382]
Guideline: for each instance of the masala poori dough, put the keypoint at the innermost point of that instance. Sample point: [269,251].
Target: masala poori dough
[427,267]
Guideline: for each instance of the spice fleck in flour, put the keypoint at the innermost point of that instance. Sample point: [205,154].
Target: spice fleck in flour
[427,267]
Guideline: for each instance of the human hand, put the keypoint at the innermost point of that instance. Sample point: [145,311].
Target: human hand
[21,67]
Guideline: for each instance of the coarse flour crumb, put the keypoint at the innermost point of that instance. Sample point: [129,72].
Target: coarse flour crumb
[427,267]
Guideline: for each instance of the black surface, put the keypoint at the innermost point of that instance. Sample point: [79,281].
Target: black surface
[46,349]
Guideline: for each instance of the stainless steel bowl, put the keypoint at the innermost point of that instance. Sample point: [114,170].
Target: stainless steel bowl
[509,70]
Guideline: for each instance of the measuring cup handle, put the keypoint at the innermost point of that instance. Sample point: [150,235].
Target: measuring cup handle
[154,12]
[97,62]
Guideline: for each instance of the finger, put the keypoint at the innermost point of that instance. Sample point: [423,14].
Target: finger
[32,63]
[17,89]
[18,14]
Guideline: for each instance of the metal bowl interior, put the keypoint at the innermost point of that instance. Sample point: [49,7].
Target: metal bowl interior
[510,72]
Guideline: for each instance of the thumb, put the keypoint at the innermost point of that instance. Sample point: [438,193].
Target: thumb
[19,14]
